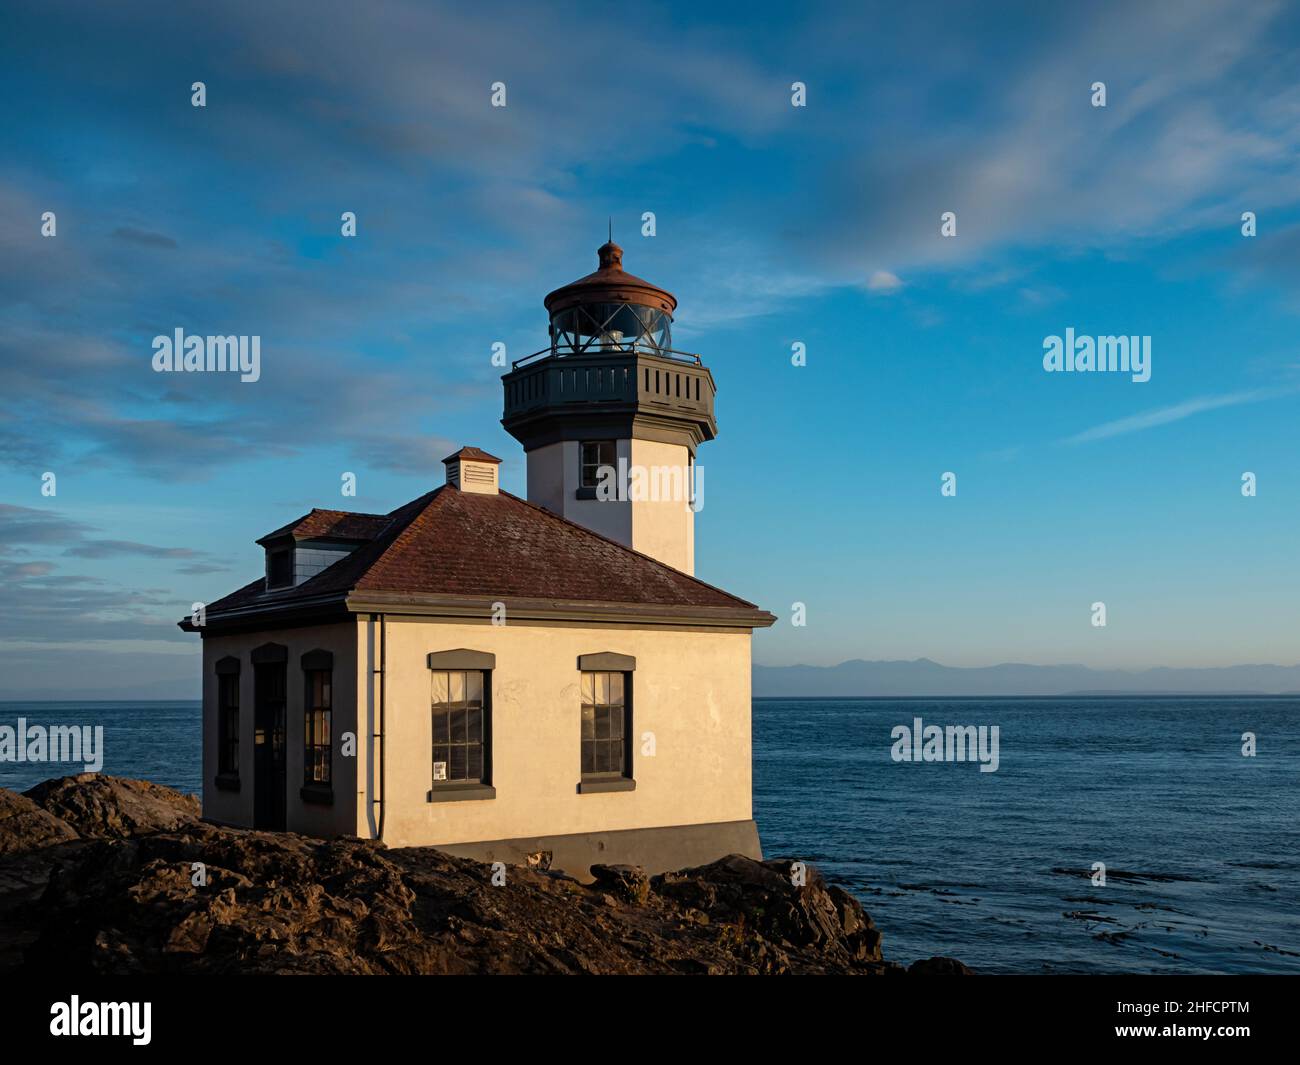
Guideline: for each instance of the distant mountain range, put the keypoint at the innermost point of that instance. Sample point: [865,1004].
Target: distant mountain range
[923,677]
[918,677]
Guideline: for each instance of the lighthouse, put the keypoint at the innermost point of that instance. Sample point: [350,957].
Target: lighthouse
[610,399]
[514,679]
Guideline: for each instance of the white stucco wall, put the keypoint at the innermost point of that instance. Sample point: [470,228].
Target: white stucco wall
[662,528]
[554,472]
[691,689]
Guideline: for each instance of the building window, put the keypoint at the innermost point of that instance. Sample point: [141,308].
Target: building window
[228,724]
[227,738]
[461,735]
[595,454]
[318,748]
[605,725]
[279,568]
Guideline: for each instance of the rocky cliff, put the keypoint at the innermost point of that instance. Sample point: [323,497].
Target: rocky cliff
[111,876]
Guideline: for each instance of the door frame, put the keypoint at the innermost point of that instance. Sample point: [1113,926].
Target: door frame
[270,737]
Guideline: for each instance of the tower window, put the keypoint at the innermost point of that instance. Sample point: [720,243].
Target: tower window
[595,454]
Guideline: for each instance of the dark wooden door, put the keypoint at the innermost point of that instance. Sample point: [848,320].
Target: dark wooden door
[269,746]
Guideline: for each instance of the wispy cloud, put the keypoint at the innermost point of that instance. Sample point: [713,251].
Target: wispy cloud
[884,281]
[43,605]
[1202,116]
[25,526]
[142,236]
[1135,423]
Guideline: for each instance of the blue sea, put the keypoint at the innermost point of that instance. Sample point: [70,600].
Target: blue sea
[1201,845]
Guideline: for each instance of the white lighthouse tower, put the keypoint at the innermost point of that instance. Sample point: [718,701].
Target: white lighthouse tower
[610,416]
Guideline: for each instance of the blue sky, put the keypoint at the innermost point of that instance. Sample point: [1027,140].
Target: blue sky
[775,224]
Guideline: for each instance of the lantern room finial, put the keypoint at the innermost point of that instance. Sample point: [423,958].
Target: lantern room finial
[610,256]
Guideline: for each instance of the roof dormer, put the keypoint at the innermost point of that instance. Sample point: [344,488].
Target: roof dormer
[298,551]
[472,469]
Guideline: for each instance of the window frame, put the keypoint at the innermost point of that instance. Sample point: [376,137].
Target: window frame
[228,724]
[279,580]
[624,778]
[464,663]
[584,465]
[315,788]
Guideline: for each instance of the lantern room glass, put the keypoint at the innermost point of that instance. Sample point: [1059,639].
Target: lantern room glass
[599,327]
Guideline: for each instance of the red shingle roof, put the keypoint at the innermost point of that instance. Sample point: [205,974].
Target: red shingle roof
[453,543]
[331,525]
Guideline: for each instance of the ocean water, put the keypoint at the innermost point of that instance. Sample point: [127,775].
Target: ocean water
[1201,844]
[158,741]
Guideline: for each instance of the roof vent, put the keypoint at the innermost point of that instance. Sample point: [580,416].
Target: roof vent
[473,470]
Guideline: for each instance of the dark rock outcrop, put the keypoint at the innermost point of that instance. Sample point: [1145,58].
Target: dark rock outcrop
[24,826]
[103,807]
[786,907]
[939,966]
[141,886]
[627,882]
